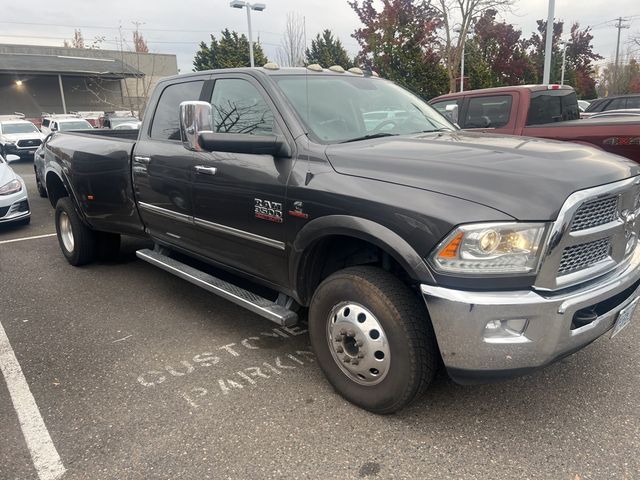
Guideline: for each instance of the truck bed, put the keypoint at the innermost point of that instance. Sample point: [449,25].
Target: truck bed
[97,167]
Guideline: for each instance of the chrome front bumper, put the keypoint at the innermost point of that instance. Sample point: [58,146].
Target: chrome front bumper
[471,356]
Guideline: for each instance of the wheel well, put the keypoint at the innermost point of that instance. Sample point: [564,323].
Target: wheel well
[55,189]
[335,252]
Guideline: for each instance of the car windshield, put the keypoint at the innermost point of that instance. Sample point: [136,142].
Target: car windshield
[351,108]
[10,128]
[75,125]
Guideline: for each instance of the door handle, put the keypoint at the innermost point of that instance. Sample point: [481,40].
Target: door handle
[145,160]
[206,170]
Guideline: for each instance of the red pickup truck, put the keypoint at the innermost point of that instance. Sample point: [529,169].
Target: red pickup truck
[546,111]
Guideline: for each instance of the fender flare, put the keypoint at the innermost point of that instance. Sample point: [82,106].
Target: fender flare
[361,228]
[67,186]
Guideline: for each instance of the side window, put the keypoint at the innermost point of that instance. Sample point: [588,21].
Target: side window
[488,112]
[238,107]
[166,120]
[447,108]
[45,122]
[633,102]
[617,103]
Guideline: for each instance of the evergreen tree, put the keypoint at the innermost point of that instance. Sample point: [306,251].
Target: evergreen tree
[327,51]
[230,51]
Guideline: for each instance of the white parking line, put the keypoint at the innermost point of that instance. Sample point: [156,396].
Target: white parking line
[44,455]
[28,238]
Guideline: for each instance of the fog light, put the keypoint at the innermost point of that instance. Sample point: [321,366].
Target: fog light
[506,331]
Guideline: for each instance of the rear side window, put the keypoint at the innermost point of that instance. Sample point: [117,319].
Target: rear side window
[45,122]
[548,106]
[488,112]
[166,121]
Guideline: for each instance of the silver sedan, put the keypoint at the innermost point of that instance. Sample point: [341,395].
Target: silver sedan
[14,203]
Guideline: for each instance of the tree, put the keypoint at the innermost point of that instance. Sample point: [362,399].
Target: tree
[461,14]
[579,68]
[139,43]
[397,42]
[291,51]
[501,50]
[77,41]
[231,51]
[327,51]
[626,81]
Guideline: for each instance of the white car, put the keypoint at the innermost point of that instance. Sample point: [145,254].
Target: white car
[19,137]
[63,124]
[14,203]
[133,125]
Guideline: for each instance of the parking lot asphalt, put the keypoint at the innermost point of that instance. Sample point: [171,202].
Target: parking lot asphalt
[138,375]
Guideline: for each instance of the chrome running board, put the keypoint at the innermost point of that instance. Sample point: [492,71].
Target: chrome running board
[244,298]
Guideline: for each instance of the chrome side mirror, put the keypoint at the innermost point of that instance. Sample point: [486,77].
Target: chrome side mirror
[12,158]
[195,118]
[451,112]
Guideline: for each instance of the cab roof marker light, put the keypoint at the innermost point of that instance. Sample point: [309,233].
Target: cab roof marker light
[553,87]
[356,71]
[314,67]
[271,66]
[336,68]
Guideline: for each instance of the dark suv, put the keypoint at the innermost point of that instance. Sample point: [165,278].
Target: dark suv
[618,102]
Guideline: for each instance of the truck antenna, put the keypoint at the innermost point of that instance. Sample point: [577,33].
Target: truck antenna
[309,175]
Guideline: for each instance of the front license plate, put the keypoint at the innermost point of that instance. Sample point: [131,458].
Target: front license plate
[624,317]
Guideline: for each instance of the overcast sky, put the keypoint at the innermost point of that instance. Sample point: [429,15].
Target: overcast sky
[178,26]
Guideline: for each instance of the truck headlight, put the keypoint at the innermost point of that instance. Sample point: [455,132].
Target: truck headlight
[12,187]
[491,249]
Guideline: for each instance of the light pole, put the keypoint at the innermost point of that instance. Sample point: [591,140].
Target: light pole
[548,44]
[258,7]
[464,44]
[564,59]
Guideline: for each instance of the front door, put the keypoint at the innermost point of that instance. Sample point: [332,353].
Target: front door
[163,169]
[239,198]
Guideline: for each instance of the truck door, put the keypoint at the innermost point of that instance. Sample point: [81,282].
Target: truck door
[163,169]
[238,197]
[490,113]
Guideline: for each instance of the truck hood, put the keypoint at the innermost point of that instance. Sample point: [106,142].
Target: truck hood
[526,178]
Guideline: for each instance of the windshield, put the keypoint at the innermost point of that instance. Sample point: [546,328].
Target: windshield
[26,127]
[352,108]
[75,125]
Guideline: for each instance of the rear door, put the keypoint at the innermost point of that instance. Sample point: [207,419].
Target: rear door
[163,168]
[239,197]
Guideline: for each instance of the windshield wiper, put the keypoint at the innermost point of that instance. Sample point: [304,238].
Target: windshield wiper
[443,129]
[371,135]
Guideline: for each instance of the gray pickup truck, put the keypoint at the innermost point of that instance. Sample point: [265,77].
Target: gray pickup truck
[408,240]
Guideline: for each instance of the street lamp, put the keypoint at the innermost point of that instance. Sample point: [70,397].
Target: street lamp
[564,59]
[464,43]
[258,7]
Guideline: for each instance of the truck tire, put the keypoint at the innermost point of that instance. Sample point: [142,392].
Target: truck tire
[77,242]
[373,338]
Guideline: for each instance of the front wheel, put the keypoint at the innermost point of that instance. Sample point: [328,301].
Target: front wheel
[77,241]
[373,338]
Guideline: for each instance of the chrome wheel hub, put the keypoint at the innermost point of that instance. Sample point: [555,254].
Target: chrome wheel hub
[66,233]
[358,343]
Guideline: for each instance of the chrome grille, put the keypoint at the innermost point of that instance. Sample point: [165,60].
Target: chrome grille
[595,213]
[29,143]
[584,255]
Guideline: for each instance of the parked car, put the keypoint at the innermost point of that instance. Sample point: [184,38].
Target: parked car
[544,111]
[93,117]
[632,112]
[409,241]
[14,202]
[135,125]
[18,137]
[38,168]
[63,123]
[617,102]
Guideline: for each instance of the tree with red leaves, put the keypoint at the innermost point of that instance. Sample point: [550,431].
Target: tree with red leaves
[398,42]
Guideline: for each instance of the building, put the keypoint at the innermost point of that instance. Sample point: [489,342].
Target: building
[37,79]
